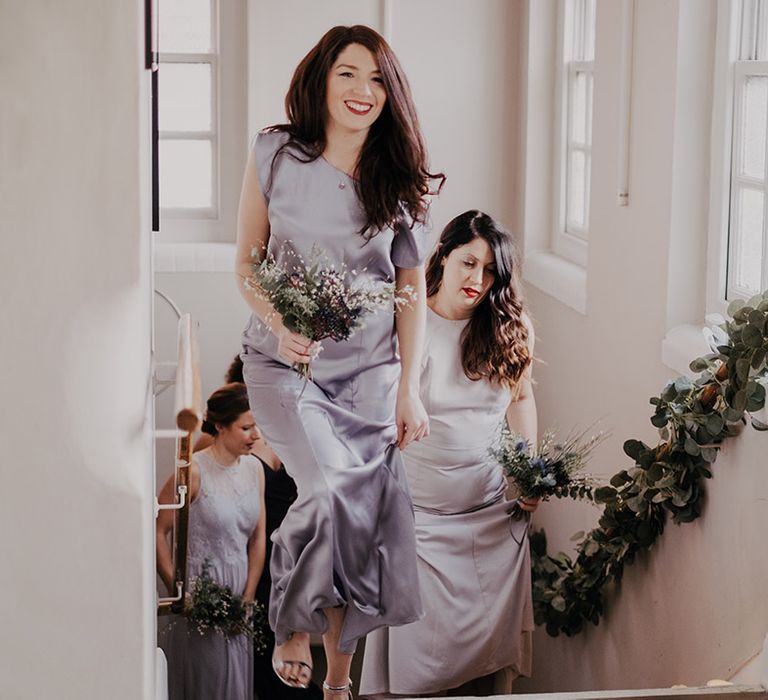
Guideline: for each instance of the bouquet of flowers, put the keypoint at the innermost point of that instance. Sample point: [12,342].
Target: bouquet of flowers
[551,468]
[315,300]
[212,606]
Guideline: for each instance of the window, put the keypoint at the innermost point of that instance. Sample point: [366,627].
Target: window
[577,32]
[202,133]
[747,259]
[187,113]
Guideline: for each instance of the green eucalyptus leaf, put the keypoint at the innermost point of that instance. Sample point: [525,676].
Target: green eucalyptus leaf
[655,471]
[742,314]
[691,447]
[591,548]
[698,365]
[756,317]
[605,494]
[633,448]
[620,478]
[660,419]
[734,306]
[715,423]
[755,396]
[732,415]
[709,454]
[740,400]
[742,368]
[752,336]
[758,357]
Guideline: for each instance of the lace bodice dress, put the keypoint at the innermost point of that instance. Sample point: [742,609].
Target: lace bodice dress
[221,519]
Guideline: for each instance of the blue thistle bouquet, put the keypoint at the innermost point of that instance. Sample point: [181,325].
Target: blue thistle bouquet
[551,468]
[315,299]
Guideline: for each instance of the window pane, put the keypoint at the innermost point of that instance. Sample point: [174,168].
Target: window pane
[754,126]
[575,188]
[185,97]
[186,174]
[185,26]
[579,108]
[748,241]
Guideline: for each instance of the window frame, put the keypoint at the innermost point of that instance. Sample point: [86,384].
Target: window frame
[730,73]
[227,136]
[569,241]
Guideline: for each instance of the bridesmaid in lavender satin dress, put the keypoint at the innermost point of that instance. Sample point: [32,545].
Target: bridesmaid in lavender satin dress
[347,173]
[474,561]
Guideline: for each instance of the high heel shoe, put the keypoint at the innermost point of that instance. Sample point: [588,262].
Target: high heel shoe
[345,689]
[291,681]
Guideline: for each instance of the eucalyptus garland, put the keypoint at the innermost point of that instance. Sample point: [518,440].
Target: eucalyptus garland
[694,418]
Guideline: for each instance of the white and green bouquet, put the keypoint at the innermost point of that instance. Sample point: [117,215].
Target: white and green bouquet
[315,299]
[551,468]
[212,607]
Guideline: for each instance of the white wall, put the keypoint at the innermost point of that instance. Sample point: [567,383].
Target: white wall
[695,607]
[75,511]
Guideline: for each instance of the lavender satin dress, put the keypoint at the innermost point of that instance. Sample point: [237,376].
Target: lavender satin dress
[348,540]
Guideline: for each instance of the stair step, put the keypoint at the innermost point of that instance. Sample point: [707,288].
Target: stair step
[728,692]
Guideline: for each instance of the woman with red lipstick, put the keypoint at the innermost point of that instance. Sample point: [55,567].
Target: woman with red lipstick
[226,528]
[347,173]
[474,561]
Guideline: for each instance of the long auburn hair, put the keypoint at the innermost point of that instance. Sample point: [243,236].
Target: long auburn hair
[494,344]
[392,175]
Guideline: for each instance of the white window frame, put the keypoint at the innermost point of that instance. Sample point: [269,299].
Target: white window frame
[545,267]
[212,135]
[228,133]
[730,75]
[569,240]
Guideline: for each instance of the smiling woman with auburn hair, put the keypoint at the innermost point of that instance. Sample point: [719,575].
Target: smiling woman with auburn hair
[348,174]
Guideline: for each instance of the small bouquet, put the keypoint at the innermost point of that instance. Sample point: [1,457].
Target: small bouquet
[315,300]
[212,606]
[551,469]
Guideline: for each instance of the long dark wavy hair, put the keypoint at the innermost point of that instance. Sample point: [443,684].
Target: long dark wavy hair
[392,173]
[495,342]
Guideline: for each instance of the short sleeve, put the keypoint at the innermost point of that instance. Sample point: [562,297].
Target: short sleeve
[265,145]
[412,242]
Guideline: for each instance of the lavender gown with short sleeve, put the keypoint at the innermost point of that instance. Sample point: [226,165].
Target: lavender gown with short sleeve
[348,540]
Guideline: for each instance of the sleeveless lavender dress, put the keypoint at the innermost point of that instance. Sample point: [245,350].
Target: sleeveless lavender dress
[474,561]
[348,540]
[221,519]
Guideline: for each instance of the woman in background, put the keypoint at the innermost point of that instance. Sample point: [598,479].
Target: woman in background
[279,494]
[227,529]
[474,561]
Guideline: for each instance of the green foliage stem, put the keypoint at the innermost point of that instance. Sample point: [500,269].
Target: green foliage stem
[694,418]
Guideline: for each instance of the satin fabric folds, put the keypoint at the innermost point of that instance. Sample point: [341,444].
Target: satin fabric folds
[348,540]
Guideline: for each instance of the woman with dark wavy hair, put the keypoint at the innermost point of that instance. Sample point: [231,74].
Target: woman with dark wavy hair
[474,561]
[348,173]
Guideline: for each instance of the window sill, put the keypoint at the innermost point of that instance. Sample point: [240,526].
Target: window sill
[194,257]
[681,346]
[558,277]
